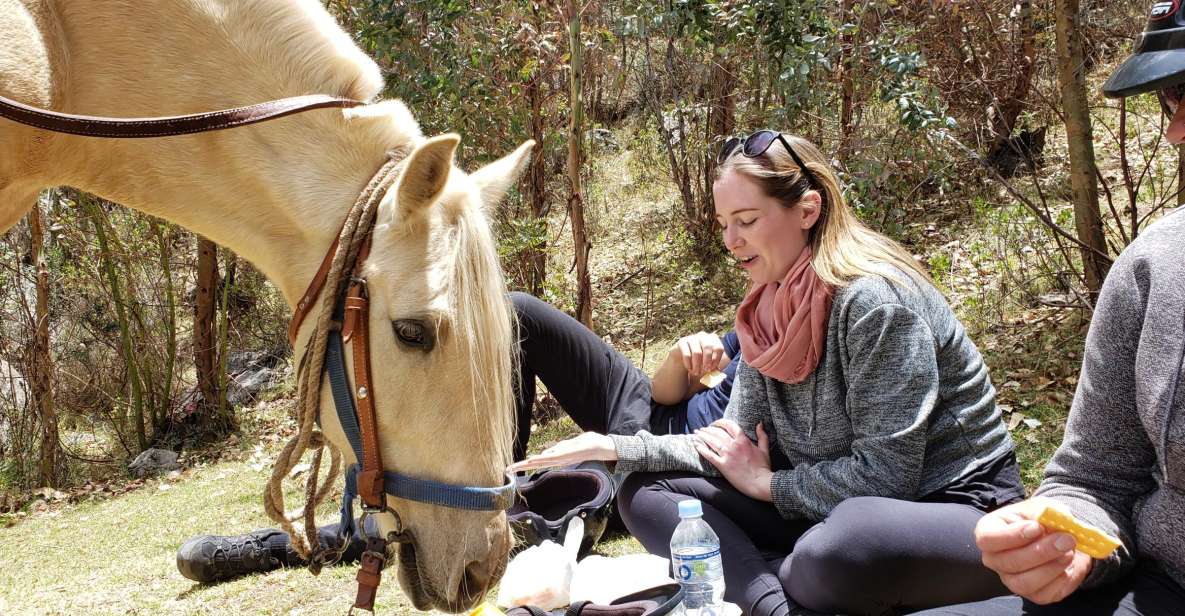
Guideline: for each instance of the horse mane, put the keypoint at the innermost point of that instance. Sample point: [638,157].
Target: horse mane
[319,57]
[301,41]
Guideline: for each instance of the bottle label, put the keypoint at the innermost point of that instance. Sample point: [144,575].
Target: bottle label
[695,566]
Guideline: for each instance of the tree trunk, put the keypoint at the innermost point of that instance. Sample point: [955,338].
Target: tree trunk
[41,360]
[1024,59]
[1083,171]
[205,340]
[226,416]
[847,85]
[135,414]
[757,86]
[721,123]
[535,260]
[674,138]
[160,410]
[580,241]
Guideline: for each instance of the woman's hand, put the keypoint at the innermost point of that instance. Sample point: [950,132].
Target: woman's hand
[745,465]
[689,359]
[587,446]
[1037,564]
[700,353]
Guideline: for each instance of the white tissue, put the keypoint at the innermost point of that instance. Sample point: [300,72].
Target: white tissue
[541,575]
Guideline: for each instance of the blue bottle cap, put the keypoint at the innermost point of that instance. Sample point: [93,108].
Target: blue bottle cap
[690,508]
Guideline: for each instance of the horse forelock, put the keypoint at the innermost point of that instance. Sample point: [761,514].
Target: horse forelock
[444,264]
[484,326]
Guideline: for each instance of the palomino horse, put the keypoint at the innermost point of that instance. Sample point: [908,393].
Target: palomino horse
[276,194]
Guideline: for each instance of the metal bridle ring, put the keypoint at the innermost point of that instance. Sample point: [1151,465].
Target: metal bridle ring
[368,511]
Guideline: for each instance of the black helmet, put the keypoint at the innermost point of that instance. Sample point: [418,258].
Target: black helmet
[547,500]
[1158,60]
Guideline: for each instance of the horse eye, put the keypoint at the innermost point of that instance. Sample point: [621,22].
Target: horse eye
[414,334]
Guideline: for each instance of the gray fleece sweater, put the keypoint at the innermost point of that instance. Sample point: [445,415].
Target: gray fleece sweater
[1121,465]
[899,406]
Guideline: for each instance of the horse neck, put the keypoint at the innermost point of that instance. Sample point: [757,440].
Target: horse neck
[274,193]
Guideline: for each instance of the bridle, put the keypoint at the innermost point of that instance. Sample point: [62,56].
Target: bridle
[369,480]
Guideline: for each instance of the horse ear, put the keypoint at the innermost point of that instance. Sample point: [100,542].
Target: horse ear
[496,178]
[426,173]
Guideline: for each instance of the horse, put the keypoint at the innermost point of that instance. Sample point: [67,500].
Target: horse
[276,194]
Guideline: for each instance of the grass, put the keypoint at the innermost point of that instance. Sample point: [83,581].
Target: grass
[117,555]
[1035,446]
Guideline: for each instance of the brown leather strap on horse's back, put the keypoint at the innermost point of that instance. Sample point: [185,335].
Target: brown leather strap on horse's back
[167,126]
[170,126]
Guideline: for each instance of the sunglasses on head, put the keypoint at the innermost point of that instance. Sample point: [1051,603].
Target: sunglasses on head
[756,144]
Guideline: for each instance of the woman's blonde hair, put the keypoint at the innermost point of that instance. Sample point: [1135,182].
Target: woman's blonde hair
[842,247]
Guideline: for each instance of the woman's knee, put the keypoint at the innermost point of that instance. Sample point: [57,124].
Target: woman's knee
[845,564]
[636,495]
[649,502]
[643,501]
[523,303]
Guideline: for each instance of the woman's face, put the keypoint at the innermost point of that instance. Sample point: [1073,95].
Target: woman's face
[765,236]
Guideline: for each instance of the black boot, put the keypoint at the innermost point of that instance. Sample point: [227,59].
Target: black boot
[211,558]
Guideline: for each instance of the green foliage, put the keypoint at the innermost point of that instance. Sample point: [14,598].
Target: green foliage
[914,101]
[939,265]
[459,66]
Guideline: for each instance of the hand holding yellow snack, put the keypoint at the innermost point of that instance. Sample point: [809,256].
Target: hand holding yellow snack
[1091,540]
[1025,551]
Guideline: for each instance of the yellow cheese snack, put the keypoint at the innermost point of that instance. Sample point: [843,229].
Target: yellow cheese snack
[487,609]
[712,379]
[1091,541]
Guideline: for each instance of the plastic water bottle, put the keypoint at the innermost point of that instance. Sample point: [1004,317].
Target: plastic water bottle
[695,562]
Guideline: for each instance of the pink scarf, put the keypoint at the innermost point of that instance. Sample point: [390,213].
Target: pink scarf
[781,325]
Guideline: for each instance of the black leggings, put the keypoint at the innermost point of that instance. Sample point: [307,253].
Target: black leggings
[871,555]
[600,389]
[1146,591]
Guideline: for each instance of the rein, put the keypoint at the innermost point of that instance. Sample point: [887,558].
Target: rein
[165,126]
[343,319]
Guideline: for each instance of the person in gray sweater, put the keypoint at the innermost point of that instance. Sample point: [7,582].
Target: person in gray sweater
[862,441]
[1121,465]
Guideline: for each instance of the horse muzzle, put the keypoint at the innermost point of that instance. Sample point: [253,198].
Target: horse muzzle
[461,590]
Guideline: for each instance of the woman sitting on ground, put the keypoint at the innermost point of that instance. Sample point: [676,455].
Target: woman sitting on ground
[862,441]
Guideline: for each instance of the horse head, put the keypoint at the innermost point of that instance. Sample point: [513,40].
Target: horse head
[442,359]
